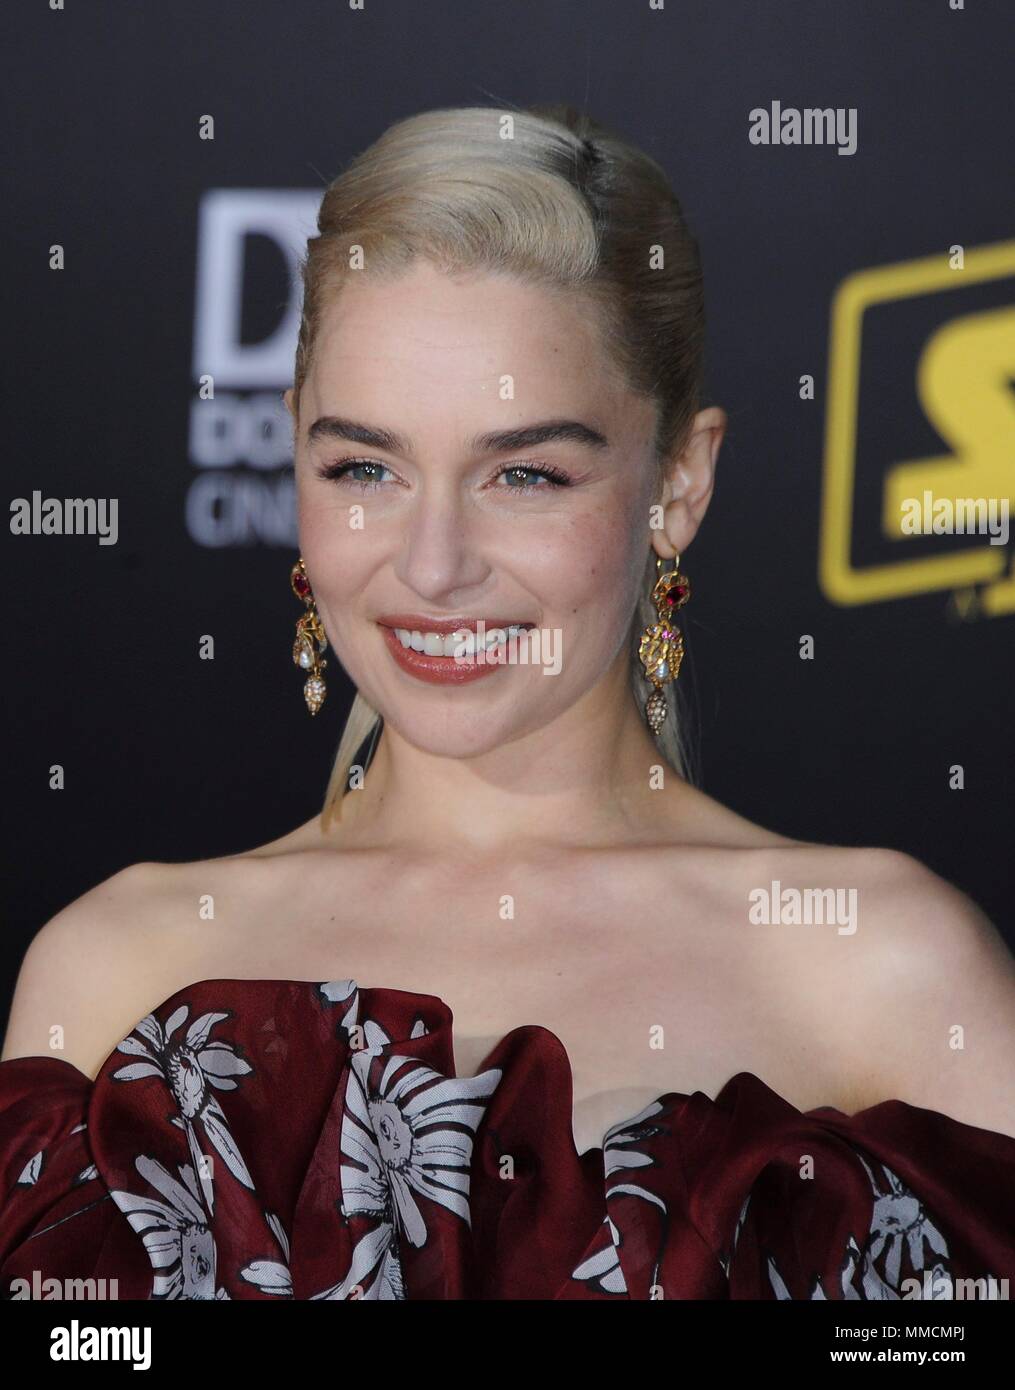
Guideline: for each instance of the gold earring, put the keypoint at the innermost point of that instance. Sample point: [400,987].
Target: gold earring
[308,631]
[661,649]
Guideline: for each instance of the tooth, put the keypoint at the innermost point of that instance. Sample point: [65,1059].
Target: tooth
[464,641]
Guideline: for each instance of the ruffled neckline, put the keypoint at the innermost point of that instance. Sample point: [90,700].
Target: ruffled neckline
[311,1139]
[433,1018]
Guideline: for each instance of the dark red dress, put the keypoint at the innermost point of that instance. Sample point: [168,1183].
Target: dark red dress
[283,1139]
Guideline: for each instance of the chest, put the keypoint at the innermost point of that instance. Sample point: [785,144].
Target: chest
[644,1001]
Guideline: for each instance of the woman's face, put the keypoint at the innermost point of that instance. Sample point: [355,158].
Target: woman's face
[431,521]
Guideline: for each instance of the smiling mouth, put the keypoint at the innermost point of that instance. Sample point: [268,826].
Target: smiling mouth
[462,642]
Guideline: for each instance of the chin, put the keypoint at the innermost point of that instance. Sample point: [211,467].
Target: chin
[459,734]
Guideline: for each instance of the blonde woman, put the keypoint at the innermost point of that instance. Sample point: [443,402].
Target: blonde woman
[513,1015]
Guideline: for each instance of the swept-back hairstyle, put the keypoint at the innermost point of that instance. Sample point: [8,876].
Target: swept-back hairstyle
[553,197]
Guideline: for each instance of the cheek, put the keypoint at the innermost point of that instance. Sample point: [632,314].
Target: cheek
[591,580]
[338,562]
[316,523]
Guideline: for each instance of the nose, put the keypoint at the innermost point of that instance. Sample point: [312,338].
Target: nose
[440,554]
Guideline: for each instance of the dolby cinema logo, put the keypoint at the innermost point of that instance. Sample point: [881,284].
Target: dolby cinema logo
[246,321]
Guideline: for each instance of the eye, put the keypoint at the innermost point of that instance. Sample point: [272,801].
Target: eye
[341,469]
[518,471]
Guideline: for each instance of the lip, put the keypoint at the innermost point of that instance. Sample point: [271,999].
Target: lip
[419,622]
[439,670]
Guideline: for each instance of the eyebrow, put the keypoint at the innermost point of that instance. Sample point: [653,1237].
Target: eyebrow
[495,442]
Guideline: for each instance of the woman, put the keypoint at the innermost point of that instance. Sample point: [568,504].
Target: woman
[654,1087]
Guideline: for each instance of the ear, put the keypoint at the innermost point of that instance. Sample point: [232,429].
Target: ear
[290,401]
[689,480]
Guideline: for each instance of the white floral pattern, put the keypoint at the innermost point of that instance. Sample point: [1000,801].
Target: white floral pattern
[411,1133]
[32,1170]
[271,1276]
[385,1204]
[176,1232]
[192,1066]
[899,1224]
[414,1133]
[603,1268]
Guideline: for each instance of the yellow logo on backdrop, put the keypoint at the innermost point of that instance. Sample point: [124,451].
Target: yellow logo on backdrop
[964,383]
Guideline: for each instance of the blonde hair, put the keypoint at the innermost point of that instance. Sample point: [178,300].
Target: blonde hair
[553,197]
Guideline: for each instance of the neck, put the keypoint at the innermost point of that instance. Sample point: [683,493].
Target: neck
[583,781]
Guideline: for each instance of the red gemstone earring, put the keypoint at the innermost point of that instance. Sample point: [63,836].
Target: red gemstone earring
[661,649]
[308,631]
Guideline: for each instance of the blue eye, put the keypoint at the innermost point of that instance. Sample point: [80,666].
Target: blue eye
[554,477]
[342,468]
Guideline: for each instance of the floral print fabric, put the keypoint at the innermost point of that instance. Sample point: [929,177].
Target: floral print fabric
[284,1139]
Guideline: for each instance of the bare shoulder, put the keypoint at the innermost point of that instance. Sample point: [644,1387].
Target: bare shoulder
[914,975]
[79,966]
[901,905]
[944,1018]
[882,970]
[117,951]
[122,948]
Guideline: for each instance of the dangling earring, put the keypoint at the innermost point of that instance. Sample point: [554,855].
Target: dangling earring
[661,649]
[308,631]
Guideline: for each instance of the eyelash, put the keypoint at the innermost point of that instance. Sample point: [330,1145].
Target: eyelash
[338,470]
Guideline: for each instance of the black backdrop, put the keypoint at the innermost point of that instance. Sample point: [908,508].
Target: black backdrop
[170,757]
